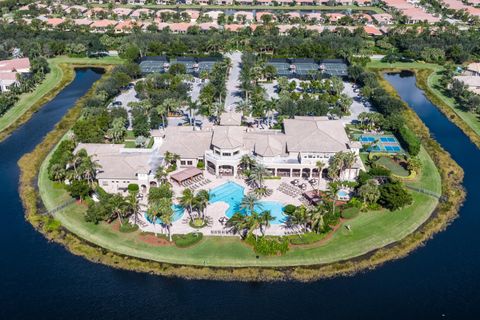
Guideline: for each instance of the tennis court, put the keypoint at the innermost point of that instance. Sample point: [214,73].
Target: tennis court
[380,143]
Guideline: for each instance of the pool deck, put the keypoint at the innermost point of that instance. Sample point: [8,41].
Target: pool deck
[216,211]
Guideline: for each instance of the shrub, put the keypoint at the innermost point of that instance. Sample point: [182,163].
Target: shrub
[409,141]
[127,228]
[350,213]
[133,187]
[289,209]
[268,246]
[200,164]
[393,196]
[187,240]
[197,223]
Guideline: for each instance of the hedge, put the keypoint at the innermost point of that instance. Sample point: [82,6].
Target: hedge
[409,141]
[187,240]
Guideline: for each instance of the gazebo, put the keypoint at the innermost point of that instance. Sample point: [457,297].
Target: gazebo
[185,175]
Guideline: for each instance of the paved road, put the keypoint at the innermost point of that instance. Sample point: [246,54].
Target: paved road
[357,106]
[233,82]
[125,97]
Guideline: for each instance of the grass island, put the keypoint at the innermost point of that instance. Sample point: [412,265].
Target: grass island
[355,228]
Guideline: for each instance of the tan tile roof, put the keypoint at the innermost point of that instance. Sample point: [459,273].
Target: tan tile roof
[315,134]
[228,137]
[185,142]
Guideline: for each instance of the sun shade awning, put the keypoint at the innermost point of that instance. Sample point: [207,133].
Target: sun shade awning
[186,174]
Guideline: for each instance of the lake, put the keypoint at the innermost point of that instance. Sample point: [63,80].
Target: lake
[42,280]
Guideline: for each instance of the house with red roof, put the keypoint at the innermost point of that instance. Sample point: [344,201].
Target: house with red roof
[9,69]
[102,25]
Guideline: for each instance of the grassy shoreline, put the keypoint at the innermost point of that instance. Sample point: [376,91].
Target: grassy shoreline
[450,172]
[427,79]
[61,75]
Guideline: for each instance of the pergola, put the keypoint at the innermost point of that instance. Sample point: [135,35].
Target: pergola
[185,175]
[313,196]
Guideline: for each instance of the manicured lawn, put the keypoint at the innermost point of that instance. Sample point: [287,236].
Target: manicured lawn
[393,166]
[369,231]
[51,80]
[130,144]
[470,118]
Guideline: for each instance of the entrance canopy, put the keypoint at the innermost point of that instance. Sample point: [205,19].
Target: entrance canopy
[186,174]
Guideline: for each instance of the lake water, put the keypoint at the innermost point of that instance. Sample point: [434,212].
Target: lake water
[42,280]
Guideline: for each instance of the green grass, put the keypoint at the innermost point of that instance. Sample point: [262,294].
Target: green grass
[393,166]
[377,64]
[470,118]
[130,144]
[369,231]
[52,80]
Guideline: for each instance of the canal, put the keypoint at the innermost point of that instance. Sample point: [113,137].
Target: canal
[42,280]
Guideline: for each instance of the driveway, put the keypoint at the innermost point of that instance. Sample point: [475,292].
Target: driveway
[233,82]
[357,106]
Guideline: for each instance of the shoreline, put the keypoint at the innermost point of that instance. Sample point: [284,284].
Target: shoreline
[438,221]
[65,66]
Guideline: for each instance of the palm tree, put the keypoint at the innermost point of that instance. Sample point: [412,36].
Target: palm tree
[187,200]
[87,169]
[265,218]
[133,204]
[161,174]
[320,165]
[369,192]
[153,213]
[332,192]
[249,202]
[253,222]
[162,111]
[117,132]
[316,218]
[247,162]
[299,217]
[192,106]
[259,173]
[238,224]
[119,207]
[201,201]
[166,214]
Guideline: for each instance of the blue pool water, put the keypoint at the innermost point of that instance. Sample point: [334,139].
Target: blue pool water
[342,193]
[178,212]
[232,193]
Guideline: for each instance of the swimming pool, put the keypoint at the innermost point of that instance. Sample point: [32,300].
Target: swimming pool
[178,212]
[232,194]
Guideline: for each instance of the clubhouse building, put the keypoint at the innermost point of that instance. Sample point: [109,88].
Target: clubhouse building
[290,153]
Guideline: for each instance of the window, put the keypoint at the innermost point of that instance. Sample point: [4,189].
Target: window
[182,162]
[189,162]
[236,152]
